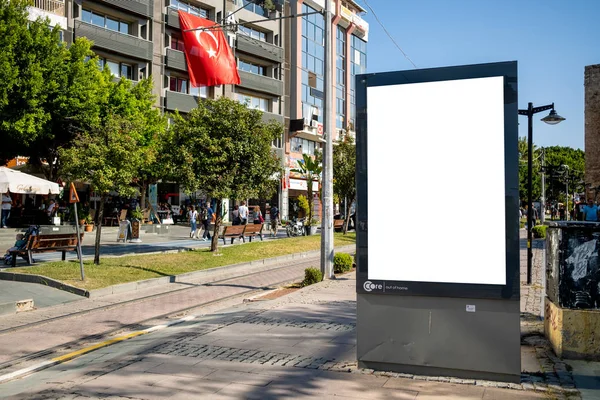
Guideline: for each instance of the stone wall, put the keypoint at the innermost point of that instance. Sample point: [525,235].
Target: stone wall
[592,125]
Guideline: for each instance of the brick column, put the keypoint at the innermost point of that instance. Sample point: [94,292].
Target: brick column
[592,126]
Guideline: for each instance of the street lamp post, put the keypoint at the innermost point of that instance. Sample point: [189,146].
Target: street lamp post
[552,118]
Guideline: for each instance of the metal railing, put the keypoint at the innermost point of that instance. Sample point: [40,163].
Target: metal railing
[56,7]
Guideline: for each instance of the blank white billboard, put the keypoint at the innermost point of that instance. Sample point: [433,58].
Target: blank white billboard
[436,193]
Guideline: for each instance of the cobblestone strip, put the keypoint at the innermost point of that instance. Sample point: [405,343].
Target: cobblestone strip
[210,352]
[295,323]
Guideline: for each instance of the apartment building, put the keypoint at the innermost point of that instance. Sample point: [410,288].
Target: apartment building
[305,53]
[280,62]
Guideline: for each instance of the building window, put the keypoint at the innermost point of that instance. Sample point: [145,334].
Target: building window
[188,8]
[120,70]
[182,86]
[177,44]
[340,77]
[199,91]
[251,6]
[253,102]
[114,24]
[313,61]
[252,68]
[300,145]
[253,33]
[113,67]
[178,85]
[358,53]
[126,71]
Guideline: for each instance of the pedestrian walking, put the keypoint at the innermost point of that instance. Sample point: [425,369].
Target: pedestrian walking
[6,207]
[274,220]
[236,215]
[590,211]
[258,217]
[207,213]
[243,210]
[193,218]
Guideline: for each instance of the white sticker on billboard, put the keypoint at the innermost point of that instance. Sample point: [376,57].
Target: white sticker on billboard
[436,182]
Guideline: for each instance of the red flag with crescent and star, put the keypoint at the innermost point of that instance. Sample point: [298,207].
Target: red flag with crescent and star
[209,58]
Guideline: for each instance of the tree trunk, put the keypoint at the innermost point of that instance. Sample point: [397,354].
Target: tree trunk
[99,230]
[346,216]
[215,238]
[143,194]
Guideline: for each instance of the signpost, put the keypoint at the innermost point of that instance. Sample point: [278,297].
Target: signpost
[439,297]
[74,199]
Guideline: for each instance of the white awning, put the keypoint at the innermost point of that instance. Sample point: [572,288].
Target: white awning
[19,182]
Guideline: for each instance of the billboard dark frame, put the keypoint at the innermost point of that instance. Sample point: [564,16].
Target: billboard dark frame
[508,291]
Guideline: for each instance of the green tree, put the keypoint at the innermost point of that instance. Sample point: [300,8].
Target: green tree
[556,157]
[535,176]
[344,173]
[224,149]
[29,54]
[156,161]
[48,92]
[111,154]
[311,170]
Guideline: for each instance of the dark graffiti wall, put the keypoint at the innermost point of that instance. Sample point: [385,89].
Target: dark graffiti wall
[572,265]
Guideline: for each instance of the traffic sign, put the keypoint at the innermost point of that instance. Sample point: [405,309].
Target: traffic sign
[73,197]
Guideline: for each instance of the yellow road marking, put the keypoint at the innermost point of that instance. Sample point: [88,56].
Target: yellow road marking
[85,350]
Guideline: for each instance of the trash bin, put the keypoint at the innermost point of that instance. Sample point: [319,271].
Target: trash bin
[572,268]
[572,304]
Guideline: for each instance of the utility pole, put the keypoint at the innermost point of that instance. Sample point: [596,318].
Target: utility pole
[329,128]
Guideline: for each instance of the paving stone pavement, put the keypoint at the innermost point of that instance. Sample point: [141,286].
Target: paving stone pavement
[302,345]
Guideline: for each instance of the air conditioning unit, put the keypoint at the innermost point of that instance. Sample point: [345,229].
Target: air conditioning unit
[314,123]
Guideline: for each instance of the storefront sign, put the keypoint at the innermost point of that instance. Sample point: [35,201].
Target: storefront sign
[300,184]
[319,129]
[346,14]
[292,163]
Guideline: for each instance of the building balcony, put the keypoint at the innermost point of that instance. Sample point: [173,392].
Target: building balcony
[182,102]
[261,83]
[142,7]
[117,42]
[172,18]
[259,48]
[267,116]
[176,60]
[54,10]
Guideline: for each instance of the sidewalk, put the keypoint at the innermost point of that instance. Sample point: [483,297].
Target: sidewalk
[297,345]
[302,345]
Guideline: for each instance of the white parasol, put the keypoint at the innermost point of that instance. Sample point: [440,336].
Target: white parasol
[19,182]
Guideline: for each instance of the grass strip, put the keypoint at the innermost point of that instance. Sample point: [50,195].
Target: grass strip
[116,270]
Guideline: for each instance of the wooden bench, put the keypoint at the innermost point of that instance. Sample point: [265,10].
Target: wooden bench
[338,224]
[42,243]
[254,230]
[233,232]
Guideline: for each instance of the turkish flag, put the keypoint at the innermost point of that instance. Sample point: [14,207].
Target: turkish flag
[209,58]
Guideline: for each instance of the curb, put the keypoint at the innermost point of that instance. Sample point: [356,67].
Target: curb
[67,357]
[42,280]
[165,280]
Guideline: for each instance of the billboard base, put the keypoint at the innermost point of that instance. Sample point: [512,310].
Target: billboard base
[434,371]
[440,336]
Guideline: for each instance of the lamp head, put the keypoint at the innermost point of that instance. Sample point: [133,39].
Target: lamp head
[553,118]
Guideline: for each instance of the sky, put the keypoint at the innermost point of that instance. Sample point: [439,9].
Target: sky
[551,40]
